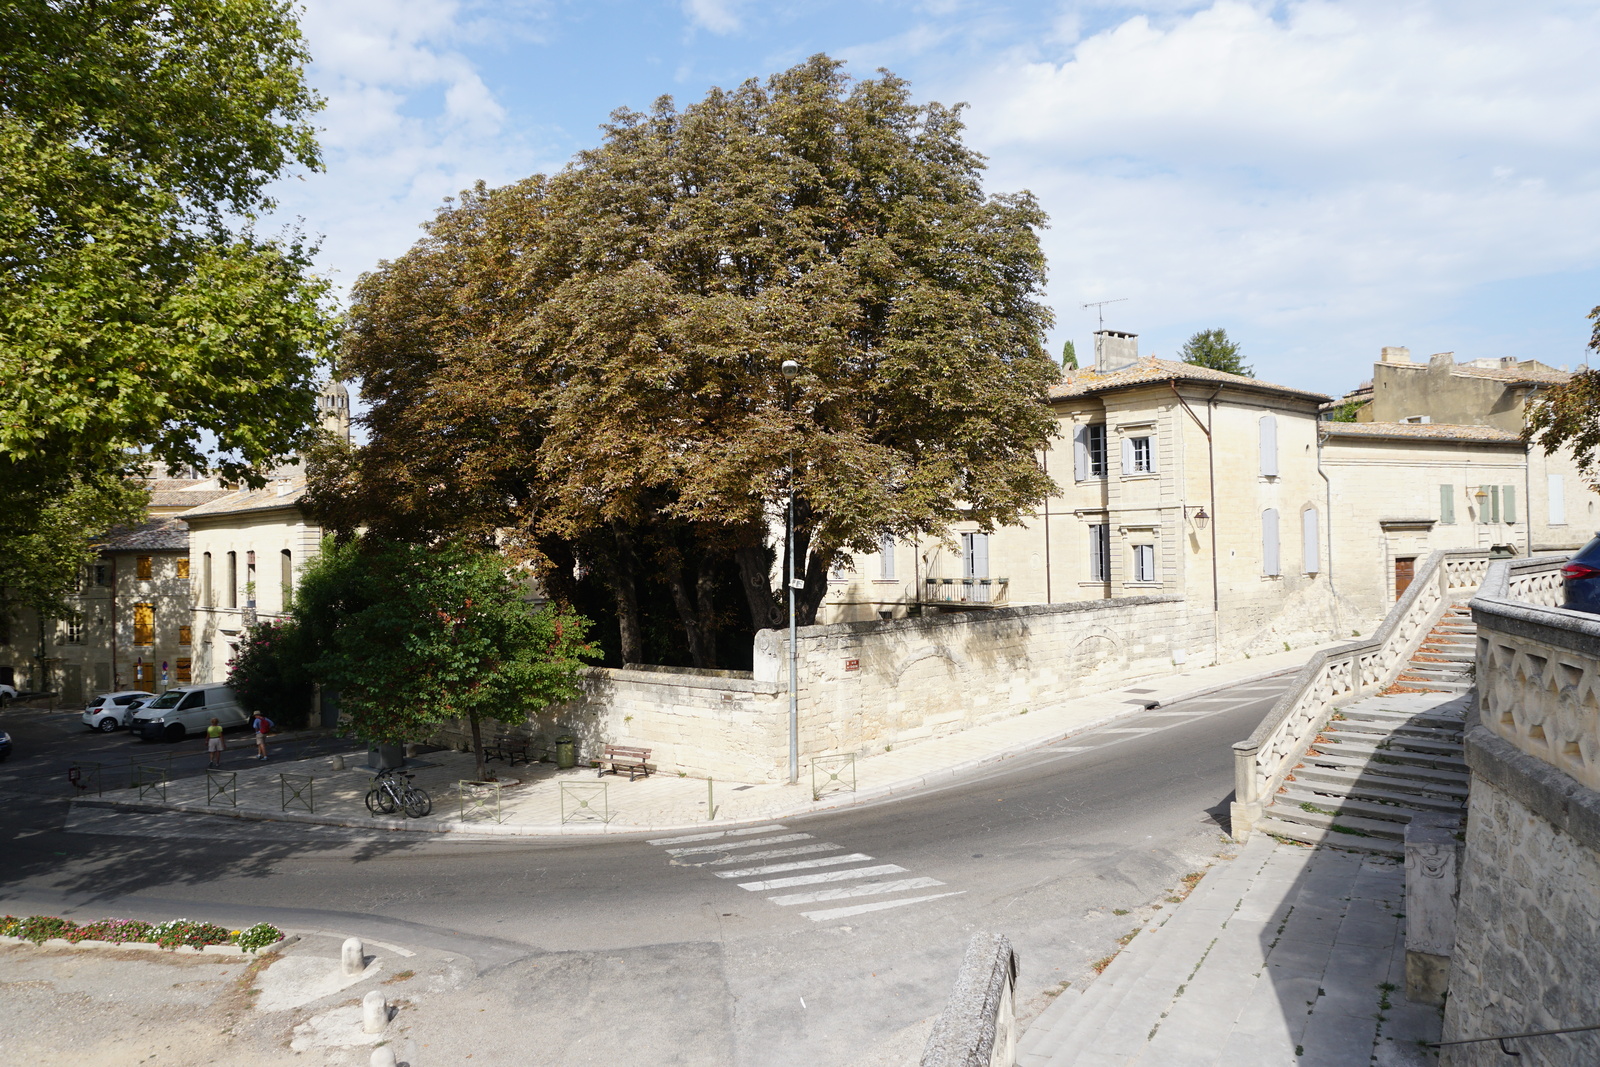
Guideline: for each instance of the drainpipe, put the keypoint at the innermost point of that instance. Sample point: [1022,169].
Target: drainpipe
[1044,464]
[1527,496]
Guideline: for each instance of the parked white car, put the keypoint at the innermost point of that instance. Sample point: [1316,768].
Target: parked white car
[8,693]
[110,711]
[179,712]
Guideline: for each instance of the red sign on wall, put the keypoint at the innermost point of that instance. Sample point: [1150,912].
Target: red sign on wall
[852,665]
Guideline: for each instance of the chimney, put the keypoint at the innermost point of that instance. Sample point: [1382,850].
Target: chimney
[1114,350]
[1395,354]
[1442,359]
[1508,361]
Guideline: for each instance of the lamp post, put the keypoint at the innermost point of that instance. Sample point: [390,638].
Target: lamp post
[790,369]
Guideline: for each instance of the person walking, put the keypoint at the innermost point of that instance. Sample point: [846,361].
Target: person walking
[214,742]
[262,726]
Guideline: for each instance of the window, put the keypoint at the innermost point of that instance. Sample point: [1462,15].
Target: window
[183,566]
[144,624]
[1311,540]
[885,557]
[1269,543]
[101,575]
[205,582]
[74,631]
[1144,563]
[233,579]
[1556,500]
[286,577]
[1268,430]
[185,635]
[196,699]
[144,568]
[1089,451]
[1099,552]
[1447,505]
[182,677]
[1138,457]
[975,555]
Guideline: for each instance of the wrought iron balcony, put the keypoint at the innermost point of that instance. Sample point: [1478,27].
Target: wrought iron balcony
[965,590]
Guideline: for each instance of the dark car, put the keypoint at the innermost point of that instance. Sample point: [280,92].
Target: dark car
[5,746]
[1580,579]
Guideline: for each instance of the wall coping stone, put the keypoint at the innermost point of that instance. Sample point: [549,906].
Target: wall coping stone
[957,618]
[742,682]
[1552,794]
[1576,631]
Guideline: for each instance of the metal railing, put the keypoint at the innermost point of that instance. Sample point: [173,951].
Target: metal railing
[222,788]
[297,791]
[479,800]
[578,802]
[834,770]
[1503,1038]
[1345,674]
[966,590]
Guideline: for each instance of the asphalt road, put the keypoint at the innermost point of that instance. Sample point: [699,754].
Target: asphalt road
[580,937]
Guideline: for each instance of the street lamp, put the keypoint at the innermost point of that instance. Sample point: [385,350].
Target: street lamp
[790,370]
[1201,519]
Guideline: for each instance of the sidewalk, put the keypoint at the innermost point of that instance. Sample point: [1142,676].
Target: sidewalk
[546,801]
[1287,954]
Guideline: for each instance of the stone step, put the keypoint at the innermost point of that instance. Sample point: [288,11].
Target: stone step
[1367,728]
[1352,824]
[1438,746]
[1434,685]
[1380,716]
[1366,755]
[1316,835]
[1446,671]
[1301,791]
[1359,781]
[1296,801]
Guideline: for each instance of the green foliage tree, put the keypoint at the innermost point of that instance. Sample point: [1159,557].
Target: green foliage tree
[413,635]
[271,674]
[139,309]
[591,360]
[45,553]
[1211,348]
[1568,414]
[1069,355]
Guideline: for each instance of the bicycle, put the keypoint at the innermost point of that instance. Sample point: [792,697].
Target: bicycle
[389,795]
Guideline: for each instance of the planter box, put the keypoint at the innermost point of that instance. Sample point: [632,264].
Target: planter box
[147,946]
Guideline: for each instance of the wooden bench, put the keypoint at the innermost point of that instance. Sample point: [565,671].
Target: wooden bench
[622,758]
[510,748]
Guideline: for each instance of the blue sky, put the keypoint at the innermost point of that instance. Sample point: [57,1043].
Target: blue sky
[1318,178]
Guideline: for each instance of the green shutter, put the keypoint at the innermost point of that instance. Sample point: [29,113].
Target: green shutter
[1447,504]
[1508,503]
[1491,510]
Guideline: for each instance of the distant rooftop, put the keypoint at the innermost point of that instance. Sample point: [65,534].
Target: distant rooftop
[158,535]
[1150,369]
[1419,430]
[282,493]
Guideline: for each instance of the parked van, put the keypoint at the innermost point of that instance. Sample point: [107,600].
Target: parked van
[179,712]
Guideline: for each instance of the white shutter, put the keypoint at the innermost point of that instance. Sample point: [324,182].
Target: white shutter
[1080,452]
[1269,542]
[1152,440]
[1558,500]
[886,557]
[1269,446]
[980,555]
[1127,455]
[1313,542]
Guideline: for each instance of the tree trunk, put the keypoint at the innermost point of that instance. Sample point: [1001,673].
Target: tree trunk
[687,615]
[755,577]
[477,747]
[705,587]
[809,600]
[624,587]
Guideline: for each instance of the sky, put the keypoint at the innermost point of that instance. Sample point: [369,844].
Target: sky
[1320,179]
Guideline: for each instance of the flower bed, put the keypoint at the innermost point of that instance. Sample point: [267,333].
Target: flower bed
[176,933]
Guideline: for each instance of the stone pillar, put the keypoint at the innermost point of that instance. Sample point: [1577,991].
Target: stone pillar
[374,1013]
[1433,884]
[352,956]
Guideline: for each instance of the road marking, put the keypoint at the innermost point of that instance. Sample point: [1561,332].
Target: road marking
[865,889]
[879,905]
[825,876]
[777,853]
[716,835]
[776,868]
[1131,730]
[1075,748]
[694,849]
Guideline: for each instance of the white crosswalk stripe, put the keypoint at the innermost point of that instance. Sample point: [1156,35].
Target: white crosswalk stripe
[865,889]
[797,865]
[824,876]
[694,850]
[879,905]
[745,832]
[777,853]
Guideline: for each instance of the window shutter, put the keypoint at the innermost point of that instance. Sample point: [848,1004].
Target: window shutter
[980,555]
[1493,514]
[1127,455]
[1312,540]
[1447,504]
[1152,453]
[1269,542]
[1508,503]
[1080,452]
[1269,446]
[1558,500]
[886,557]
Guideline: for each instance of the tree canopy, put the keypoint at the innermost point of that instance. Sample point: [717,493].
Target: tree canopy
[139,309]
[1568,414]
[591,360]
[1211,348]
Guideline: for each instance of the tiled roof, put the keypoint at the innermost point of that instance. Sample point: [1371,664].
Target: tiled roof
[1514,372]
[1435,431]
[1149,369]
[281,494]
[185,498]
[158,535]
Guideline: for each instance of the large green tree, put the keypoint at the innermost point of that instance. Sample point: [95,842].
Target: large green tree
[592,360]
[413,636]
[1568,414]
[140,311]
[1213,349]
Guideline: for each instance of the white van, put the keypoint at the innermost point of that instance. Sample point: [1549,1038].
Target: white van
[180,712]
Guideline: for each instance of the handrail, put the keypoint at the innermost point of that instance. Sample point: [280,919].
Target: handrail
[1503,1038]
[1346,673]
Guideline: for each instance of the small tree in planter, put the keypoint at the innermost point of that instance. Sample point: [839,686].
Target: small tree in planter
[415,635]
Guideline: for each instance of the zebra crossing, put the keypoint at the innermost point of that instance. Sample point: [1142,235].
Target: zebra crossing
[813,873]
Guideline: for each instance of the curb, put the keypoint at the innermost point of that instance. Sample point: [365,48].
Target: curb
[150,946]
[847,800]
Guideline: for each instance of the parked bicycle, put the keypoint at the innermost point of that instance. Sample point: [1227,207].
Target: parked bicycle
[392,791]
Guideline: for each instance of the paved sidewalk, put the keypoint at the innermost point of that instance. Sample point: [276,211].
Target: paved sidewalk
[1286,955]
[547,801]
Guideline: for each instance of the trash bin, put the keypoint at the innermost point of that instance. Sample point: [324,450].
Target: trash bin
[566,752]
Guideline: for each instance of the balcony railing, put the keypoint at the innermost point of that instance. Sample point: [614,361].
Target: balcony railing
[965,590]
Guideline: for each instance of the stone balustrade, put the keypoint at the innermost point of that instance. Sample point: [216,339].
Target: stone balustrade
[1344,674]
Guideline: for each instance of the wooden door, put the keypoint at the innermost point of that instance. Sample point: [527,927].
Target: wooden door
[1404,570]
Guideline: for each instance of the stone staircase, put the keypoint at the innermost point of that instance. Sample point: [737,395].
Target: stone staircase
[1383,759]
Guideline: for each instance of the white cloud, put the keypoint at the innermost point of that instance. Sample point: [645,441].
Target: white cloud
[1303,167]
[718,16]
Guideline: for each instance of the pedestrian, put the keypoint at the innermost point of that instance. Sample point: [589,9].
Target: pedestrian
[214,742]
[262,726]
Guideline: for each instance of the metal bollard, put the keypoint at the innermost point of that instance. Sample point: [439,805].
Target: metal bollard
[383,1057]
[374,1013]
[353,956]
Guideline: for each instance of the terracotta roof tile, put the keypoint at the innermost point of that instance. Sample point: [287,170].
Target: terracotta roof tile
[1149,369]
[275,495]
[1515,372]
[158,535]
[1435,431]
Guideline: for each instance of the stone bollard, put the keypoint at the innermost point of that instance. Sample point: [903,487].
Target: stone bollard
[383,1057]
[338,763]
[353,956]
[1433,884]
[374,1013]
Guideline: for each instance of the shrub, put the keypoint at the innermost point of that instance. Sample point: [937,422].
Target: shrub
[258,936]
[269,674]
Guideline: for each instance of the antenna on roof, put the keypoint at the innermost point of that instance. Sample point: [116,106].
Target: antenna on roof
[1100,308]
